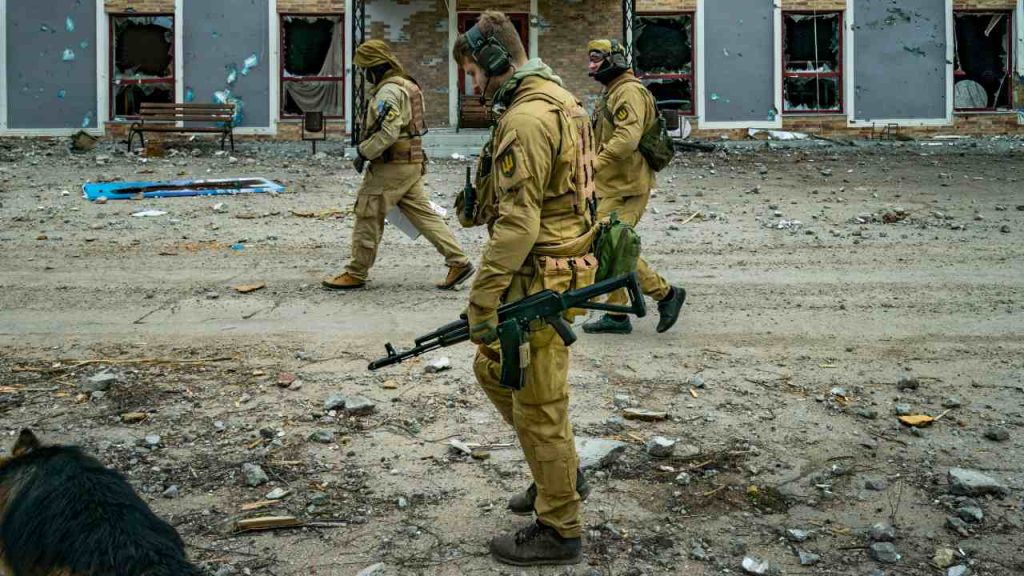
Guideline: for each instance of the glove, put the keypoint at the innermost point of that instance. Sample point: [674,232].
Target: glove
[483,324]
[359,162]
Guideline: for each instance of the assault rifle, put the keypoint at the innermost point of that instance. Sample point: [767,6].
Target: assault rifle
[514,322]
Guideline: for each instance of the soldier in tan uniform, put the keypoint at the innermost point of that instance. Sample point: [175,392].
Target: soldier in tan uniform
[394,151]
[536,199]
[624,179]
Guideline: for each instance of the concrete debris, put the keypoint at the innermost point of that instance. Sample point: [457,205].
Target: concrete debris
[359,406]
[596,453]
[959,526]
[322,437]
[254,475]
[944,557]
[971,513]
[277,494]
[621,401]
[883,532]
[171,492]
[795,535]
[754,565]
[644,415]
[438,365]
[808,558]
[660,447]
[959,570]
[100,382]
[964,482]
[335,401]
[884,552]
[698,553]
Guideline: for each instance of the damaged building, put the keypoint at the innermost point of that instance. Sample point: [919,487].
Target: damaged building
[722,66]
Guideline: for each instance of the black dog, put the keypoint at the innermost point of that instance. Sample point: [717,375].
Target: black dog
[62,513]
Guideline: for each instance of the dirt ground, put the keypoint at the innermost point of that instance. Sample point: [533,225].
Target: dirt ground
[780,382]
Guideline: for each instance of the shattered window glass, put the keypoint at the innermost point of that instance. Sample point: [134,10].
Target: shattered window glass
[663,57]
[312,66]
[982,66]
[812,52]
[142,55]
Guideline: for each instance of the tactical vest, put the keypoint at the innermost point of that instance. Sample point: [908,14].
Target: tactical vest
[408,149]
[575,120]
[655,144]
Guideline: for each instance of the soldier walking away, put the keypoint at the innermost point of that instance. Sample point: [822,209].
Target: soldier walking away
[625,111]
[535,194]
[394,151]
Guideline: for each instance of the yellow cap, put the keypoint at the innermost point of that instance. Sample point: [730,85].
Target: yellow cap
[374,53]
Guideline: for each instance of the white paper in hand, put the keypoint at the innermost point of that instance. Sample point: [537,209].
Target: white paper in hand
[396,218]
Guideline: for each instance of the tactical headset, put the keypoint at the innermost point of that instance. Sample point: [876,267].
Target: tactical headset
[488,53]
[618,55]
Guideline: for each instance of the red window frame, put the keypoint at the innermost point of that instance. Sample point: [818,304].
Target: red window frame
[689,78]
[1008,14]
[112,66]
[284,78]
[838,74]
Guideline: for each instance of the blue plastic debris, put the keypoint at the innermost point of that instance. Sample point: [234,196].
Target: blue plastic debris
[87,119]
[190,95]
[69,55]
[238,247]
[178,188]
[715,97]
[44,28]
[232,74]
[251,62]
[62,93]
[69,24]
[83,45]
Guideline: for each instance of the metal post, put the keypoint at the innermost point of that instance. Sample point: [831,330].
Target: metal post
[359,81]
[627,28]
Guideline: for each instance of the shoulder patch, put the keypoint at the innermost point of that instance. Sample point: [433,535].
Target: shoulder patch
[392,114]
[507,162]
[622,113]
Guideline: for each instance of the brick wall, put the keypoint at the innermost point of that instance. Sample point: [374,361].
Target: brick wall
[565,30]
[500,5]
[312,6]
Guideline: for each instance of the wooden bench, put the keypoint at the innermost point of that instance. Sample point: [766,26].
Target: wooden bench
[184,118]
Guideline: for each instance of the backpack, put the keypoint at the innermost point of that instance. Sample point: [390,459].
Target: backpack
[655,145]
[617,248]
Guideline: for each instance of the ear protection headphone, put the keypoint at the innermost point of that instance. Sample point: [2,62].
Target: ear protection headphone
[618,55]
[488,53]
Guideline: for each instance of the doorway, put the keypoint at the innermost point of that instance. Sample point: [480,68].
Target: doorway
[472,114]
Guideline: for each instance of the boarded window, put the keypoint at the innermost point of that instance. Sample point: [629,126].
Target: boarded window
[312,66]
[663,58]
[984,52]
[142,61]
[812,51]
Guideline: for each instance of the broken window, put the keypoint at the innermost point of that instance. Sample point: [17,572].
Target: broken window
[312,65]
[812,76]
[984,52]
[142,62]
[663,58]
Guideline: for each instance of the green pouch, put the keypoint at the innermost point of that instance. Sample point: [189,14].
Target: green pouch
[656,146]
[617,248]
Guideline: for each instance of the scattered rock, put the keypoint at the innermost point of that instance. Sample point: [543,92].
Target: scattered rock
[908,383]
[621,401]
[438,365]
[1005,228]
[322,437]
[697,381]
[403,503]
[133,417]
[883,532]
[944,557]
[153,440]
[869,413]
[595,453]
[683,479]
[957,525]
[226,570]
[277,494]
[808,558]
[970,513]
[100,382]
[964,482]
[876,484]
[318,498]
[903,410]
[795,535]
[172,492]
[959,570]
[285,379]
[660,447]
[254,475]
[884,552]
[997,434]
[952,402]
[335,401]
[698,553]
[359,406]
[371,570]
[754,565]
[615,423]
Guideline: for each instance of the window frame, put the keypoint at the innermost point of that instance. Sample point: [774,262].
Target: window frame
[692,76]
[1010,39]
[839,74]
[112,62]
[283,77]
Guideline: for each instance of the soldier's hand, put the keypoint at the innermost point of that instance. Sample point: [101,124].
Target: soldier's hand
[483,324]
[359,162]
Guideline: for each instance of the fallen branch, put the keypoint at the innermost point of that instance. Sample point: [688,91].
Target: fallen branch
[267,523]
[692,216]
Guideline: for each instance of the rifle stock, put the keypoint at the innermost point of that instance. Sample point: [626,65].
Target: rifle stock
[514,321]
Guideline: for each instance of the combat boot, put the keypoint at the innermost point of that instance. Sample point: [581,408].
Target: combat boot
[343,281]
[608,324]
[456,275]
[669,308]
[522,503]
[536,545]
